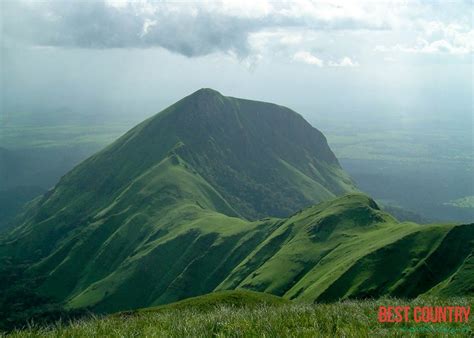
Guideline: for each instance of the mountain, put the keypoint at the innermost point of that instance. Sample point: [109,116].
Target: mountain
[208,195]
[349,248]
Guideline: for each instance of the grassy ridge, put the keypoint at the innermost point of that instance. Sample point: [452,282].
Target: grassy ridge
[244,314]
[163,210]
[160,241]
[165,213]
[349,248]
[338,249]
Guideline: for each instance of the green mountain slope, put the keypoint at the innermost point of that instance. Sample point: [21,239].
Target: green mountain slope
[348,247]
[133,252]
[169,211]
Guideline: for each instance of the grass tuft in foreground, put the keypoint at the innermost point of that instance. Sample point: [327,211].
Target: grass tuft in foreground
[228,316]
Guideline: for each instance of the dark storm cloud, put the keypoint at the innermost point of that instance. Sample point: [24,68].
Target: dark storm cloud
[98,25]
[188,29]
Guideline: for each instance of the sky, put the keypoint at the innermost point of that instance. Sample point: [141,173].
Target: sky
[379,61]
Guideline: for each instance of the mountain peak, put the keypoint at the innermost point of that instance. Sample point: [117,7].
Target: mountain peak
[261,158]
[206,92]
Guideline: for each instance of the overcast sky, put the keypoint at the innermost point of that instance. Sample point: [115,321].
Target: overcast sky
[338,59]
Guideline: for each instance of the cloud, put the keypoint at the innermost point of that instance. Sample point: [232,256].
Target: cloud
[425,47]
[245,29]
[436,38]
[344,62]
[308,58]
[191,28]
[187,30]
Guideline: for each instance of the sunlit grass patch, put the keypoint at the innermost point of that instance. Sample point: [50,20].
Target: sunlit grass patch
[340,319]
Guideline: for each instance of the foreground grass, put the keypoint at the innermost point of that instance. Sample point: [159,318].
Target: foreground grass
[275,319]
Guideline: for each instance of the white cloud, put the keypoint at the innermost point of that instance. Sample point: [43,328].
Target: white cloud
[435,38]
[242,8]
[117,3]
[425,47]
[308,58]
[147,25]
[344,62]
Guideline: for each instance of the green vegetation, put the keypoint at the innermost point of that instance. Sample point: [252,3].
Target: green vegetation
[411,143]
[244,314]
[348,248]
[174,209]
[14,136]
[231,298]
